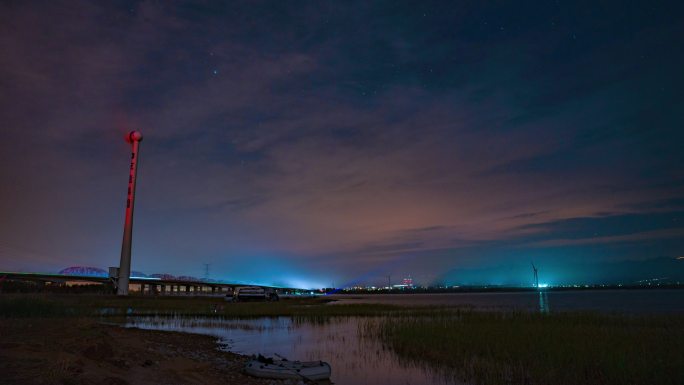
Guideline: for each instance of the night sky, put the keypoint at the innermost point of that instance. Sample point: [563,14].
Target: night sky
[312,143]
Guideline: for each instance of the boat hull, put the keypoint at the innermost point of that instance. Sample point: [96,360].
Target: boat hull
[315,370]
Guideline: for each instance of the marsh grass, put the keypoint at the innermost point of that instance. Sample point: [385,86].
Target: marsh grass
[525,348]
[34,306]
[53,305]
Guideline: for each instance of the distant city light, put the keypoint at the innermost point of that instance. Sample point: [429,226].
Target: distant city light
[543,285]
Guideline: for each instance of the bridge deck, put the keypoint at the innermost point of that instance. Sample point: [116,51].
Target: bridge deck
[179,283]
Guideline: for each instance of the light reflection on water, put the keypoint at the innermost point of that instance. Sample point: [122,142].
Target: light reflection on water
[544,302]
[354,359]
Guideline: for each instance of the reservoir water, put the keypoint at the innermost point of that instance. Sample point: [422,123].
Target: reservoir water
[648,301]
[355,360]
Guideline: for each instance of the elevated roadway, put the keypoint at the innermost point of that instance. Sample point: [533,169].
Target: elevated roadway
[163,286]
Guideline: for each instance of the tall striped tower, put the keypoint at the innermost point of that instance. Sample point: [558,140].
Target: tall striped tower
[134,138]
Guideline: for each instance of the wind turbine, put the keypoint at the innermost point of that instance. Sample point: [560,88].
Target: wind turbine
[536,277]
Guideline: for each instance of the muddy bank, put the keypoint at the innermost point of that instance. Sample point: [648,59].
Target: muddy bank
[82,351]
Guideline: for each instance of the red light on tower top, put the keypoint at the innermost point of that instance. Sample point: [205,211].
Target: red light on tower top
[134,136]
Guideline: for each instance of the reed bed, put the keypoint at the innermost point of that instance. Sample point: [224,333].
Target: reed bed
[54,305]
[22,306]
[525,348]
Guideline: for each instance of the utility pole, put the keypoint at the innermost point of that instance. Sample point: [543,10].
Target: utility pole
[206,271]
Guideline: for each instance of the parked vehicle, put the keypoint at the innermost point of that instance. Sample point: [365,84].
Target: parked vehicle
[254,293]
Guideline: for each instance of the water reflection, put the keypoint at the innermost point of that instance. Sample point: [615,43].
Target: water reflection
[543,302]
[354,359]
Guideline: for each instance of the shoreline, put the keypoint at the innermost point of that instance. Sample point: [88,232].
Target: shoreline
[85,351]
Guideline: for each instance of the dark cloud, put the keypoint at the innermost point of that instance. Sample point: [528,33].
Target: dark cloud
[342,137]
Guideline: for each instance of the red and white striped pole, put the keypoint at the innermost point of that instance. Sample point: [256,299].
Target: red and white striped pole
[134,138]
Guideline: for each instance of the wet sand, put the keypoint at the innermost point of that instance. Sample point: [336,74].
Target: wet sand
[83,351]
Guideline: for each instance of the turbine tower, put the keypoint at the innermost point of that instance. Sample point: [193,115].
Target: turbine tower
[134,138]
[536,277]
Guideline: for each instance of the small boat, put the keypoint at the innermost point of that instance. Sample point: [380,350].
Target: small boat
[284,369]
